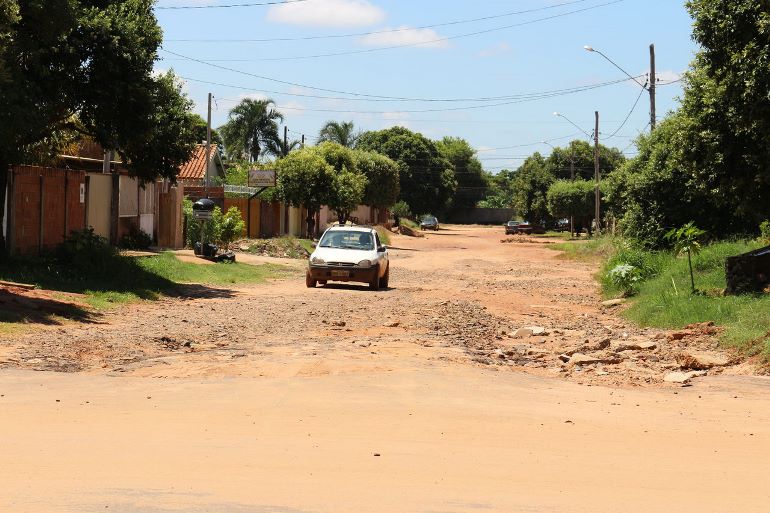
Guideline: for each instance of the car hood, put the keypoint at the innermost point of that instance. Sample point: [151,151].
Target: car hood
[351,256]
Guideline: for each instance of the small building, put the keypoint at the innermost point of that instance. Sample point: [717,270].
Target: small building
[197,172]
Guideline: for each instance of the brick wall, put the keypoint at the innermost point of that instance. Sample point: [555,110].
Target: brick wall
[45,208]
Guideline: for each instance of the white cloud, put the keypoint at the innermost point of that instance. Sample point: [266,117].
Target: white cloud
[425,38]
[498,49]
[327,13]
[667,76]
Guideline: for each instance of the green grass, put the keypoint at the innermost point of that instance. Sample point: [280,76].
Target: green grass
[384,235]
[664,299]
[409,223]
[122,279]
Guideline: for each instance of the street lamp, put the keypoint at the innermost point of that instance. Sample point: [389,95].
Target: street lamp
[650,88]
[560,115]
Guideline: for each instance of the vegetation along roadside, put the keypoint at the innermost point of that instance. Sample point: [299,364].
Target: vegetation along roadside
[658,287]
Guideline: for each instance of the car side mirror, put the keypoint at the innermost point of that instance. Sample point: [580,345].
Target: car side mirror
[314,244]
[382,249]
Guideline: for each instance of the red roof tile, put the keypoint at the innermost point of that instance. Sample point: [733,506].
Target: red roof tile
[195,168]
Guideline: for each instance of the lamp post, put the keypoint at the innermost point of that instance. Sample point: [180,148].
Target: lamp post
[650,88]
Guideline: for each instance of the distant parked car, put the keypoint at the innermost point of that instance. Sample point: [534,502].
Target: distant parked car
[562,225]
[524,227]
[511,227]
[429,223]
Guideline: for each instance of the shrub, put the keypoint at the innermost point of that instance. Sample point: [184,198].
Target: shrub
[227,227]
[86,251]
[136,239]
[764,230]
[626,277]
[401,209]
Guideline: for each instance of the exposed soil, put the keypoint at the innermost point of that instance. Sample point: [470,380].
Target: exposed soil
[277,398]
[459,289]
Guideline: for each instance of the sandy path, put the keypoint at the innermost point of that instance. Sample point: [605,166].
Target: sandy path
[275,398]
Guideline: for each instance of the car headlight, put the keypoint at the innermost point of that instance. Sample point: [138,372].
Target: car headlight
[365,263]
[317,261]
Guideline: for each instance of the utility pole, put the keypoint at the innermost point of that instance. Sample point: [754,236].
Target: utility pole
[597,173]
[652,87]
[208,149]
[572,177]
[303,141]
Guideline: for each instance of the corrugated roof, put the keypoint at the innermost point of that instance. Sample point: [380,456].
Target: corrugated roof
[195,168]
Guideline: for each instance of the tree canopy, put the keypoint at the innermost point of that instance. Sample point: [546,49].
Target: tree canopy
[472,183]
[581,153]
[343,133]
[86,67]
[382,187]
[427,178]
[252,129]
[530,186]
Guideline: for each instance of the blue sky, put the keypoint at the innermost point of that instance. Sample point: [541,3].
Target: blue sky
[516,54]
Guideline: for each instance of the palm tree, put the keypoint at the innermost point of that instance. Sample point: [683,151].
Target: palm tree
[280,148]
[342,133]
[251,128]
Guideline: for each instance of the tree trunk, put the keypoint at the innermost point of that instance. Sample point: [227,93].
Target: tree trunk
[310,220]
[692,277]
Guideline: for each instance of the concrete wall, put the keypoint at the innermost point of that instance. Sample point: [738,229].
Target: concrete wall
[99,197]
[481,216]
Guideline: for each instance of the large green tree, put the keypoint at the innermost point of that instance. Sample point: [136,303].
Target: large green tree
[427,178]
[87,67]
[341,133]
[347,191]
[579,155]
[472,184]
[572,199]
[530,190]
[726,105]
[305,179]
[383,186]
[251,129]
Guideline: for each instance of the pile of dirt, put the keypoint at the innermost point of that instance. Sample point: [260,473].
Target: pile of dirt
[525,239]
[283,247]
[581,349]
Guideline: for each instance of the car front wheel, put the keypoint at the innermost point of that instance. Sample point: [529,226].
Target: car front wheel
[374,284]
[309,281]
[385,279]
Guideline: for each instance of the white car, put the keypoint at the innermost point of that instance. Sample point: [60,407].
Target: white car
[349,253]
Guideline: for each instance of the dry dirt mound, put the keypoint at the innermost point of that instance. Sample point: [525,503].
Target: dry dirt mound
[283,247]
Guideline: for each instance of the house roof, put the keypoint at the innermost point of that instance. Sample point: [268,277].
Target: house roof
[195,168]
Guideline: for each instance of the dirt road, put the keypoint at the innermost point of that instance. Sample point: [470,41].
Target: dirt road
[276,398]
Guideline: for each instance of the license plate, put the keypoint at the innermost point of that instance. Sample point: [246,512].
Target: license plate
[340,274]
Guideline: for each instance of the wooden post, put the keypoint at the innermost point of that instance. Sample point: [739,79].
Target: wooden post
[114,208]
[66,202]
[42,215]
[88,189]
[10,217]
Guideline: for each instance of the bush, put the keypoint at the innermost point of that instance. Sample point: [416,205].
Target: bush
[401,209]
[764,230]
[626,277]
[136,239]
[222,229]
[86,251]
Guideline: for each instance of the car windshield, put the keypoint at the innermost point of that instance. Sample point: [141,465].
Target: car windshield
[343,239]
[428,219]
[513,223]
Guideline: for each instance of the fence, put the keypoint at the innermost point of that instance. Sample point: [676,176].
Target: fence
[44,205]
[481,216]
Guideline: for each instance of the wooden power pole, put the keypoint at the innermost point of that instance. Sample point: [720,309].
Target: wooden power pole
[597,173]
[652,87]
[208,149]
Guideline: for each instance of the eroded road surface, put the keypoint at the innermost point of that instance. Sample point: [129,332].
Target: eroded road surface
[427,397]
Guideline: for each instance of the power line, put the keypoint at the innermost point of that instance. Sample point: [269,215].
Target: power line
[420,43]
[555,92]
[633,108]
[447,109]
[527,144]
[226,6]
[377,32]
